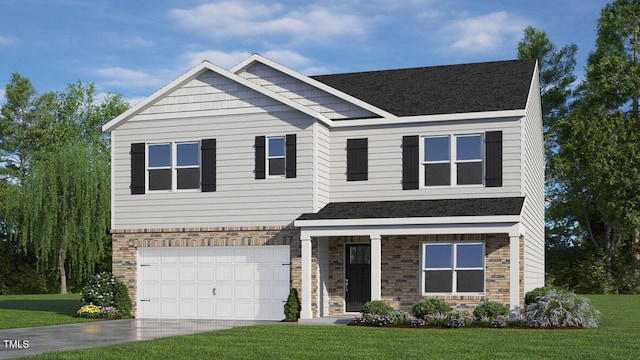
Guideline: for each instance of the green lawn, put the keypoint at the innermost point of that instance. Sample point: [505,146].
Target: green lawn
[18,311]
[617,337]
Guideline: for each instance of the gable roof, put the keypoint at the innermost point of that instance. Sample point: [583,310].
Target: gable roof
[418,208]
[450,89]
[197,71]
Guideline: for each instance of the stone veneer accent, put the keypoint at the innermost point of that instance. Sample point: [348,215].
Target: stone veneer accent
[126,242]
[400,269]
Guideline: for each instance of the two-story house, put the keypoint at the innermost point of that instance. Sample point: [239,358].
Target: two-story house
[231,186]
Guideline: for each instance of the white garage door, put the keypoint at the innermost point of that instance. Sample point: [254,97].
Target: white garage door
[227,282]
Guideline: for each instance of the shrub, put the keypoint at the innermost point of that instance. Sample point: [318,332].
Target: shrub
[376,307]
[499,322]
[121,300]
[533,295]
[437,319]
[563,308]
[104,290]
[109,312]
[520,320]
[400,317]
[462,316]
[89,311]
[292,306]
[373,319]
[431,306]
[100,290]
[490,310]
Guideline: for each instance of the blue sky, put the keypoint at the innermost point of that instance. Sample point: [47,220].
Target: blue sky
[135,47]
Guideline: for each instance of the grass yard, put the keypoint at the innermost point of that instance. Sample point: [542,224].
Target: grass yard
[18,311]
[617,337]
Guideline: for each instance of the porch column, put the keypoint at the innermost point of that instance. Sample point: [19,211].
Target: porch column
[305,311]
[514,274]
[376,258]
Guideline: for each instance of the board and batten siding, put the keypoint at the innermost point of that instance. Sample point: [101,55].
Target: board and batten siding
[318,100]
[533,190]
[240,199]
[385,161]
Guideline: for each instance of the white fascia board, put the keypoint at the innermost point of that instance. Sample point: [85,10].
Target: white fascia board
[433,229]
[485,115]
[408,221]
[317,84]
[193,73]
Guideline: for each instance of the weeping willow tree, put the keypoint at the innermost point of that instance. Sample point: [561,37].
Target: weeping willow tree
[65,210]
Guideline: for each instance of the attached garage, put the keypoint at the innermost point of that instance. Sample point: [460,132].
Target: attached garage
[221,282]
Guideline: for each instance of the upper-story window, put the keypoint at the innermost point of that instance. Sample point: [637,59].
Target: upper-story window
[173,166]
[276,155]
[452,160]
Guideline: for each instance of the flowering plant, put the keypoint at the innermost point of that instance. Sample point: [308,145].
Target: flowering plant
[89,311]
[373,319]
[499,322]
[109,312]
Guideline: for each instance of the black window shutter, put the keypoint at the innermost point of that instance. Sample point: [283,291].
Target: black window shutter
[137,168]
[208,167]
[260,157]
[290,154]
[357,159]
[410,162]
[493,158]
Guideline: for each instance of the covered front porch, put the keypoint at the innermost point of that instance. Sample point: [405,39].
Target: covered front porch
[348,260]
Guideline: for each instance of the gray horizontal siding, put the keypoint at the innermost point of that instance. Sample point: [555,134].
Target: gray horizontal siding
[240,200]
[385,162]
[303,93]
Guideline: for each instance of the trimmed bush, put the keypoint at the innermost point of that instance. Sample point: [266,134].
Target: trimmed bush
[431,306]
[490,310]
[377,307]
[562,308]
[121,300]
[400,317]
[292,306]
[532,296]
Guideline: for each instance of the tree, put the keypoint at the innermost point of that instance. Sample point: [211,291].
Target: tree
[65,209]
[25,121]
[62,216]
[598,162]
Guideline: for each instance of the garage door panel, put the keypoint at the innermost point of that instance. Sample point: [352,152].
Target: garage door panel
[250,282]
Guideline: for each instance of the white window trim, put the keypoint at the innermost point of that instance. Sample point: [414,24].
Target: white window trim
[174,166]
[453,175]
[454,284]
[283,157]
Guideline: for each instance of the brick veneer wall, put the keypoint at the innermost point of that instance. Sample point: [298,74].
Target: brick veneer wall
[126,242]
[400,269]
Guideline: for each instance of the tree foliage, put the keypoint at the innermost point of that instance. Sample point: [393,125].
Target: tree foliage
[65,213]
[57,176]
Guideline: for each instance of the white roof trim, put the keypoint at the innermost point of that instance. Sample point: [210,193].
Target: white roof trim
[513,229]
[259,58]
[408,221]
[485,115]
[192,74]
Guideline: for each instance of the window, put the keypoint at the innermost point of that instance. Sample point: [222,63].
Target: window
[159,165]
[174,166]
[466,152]
[453,267]
[276,156]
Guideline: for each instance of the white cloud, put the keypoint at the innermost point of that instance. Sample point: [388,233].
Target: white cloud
[7,40]
[483,33]
[123,77]
[246,18]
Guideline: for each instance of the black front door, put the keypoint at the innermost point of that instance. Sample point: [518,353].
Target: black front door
[357,276]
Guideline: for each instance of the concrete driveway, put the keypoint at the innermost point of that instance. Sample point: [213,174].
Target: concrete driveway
[37,340]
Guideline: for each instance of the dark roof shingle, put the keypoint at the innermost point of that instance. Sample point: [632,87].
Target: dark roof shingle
[418,208]
[477,87]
